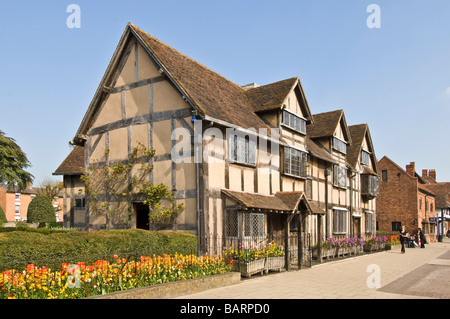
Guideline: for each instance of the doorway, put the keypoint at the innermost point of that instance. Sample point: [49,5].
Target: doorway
[357,226]
[142,216]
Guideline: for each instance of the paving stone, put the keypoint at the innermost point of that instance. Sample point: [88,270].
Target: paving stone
[416,274]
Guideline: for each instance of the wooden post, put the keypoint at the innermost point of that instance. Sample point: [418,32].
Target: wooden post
[319,242]
[300,242]
[286,245]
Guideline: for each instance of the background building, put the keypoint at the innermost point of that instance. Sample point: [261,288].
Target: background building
[405,200]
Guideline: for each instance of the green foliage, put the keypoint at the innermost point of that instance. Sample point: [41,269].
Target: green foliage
[122,190]
[2,216]
[41,210]
[42,246]
[161,214]
[13,164]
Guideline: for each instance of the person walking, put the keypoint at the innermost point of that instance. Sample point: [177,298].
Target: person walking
[422,238]
[403,236]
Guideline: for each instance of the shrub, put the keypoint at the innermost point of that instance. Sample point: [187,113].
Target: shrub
[46,247]
[41,210]
[2,216]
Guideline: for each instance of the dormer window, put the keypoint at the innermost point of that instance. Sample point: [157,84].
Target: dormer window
[365,157]
[294,122]
[339,145]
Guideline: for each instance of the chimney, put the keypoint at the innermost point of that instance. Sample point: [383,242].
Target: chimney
[250,86]
[424,172]
[411,169]
[432,174]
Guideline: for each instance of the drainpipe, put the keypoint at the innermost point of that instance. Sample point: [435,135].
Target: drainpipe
[351,205]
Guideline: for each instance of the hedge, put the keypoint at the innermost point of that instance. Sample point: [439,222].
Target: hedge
[50,248]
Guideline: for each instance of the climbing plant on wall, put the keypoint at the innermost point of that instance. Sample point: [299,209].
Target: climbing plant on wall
[112,188]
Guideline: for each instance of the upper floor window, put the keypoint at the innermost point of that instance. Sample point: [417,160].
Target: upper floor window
[295,162]
[340,176]
[384,175]
[369,185]
[294,122]
[339,145]
[243,149]
[17,196]
[365,157]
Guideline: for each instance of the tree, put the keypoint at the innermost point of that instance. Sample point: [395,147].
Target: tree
[41,210]
[50,187]
[13,164]
[2,216]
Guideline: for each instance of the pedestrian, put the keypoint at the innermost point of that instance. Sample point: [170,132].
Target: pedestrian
[403,236]
[422,238]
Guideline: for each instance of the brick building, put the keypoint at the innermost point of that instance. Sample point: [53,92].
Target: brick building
[15,203]
[442,207]
[405,199]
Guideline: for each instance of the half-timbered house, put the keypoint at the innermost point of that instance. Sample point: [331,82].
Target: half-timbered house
[255,162]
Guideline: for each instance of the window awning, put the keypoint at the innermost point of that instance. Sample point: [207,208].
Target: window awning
[281,202]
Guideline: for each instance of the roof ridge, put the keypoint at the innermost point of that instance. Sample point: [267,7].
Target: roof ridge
[184,55]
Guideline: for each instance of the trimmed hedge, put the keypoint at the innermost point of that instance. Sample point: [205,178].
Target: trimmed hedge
[41,210]
[50,248]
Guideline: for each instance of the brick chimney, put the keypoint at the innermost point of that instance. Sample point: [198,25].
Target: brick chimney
[411,169]
[432,174]
[424,172]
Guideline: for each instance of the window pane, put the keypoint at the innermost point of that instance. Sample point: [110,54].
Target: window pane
[232,224]
[286,118]
[294,122]
[287,160]
[365,158]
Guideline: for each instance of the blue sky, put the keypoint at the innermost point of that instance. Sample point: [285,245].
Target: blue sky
[395,78]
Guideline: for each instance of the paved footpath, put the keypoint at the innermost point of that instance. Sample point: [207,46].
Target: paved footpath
[419,273]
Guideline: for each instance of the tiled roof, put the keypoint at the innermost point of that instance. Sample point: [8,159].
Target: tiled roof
[357,133]
[211,93]
[442,191]
[73,164]
[281,201]
[271,96]
[324,124]
[318,151]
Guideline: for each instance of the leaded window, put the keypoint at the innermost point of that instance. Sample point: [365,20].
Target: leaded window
[295,162]
[339,221]
[340,176]
[294,122]
[339,145]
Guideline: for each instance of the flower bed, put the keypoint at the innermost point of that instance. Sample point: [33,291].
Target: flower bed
[376,243]
[253,259]
[335,247]
[80,280]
